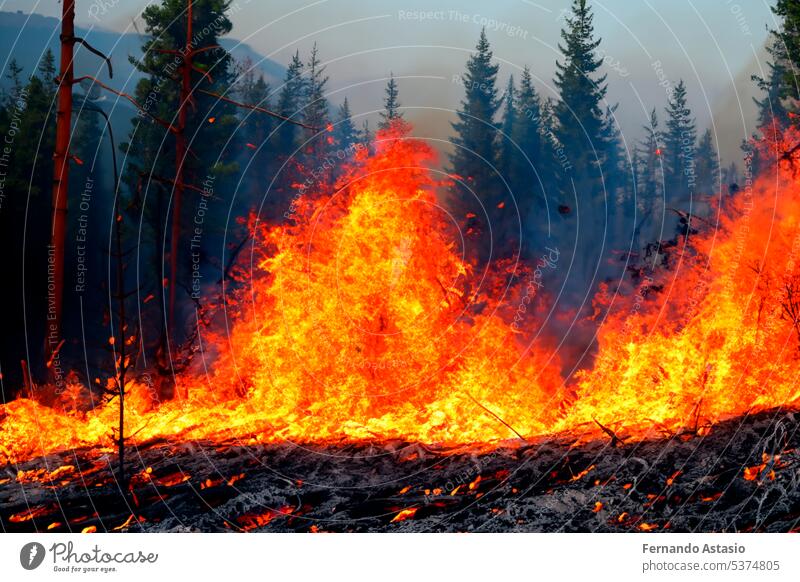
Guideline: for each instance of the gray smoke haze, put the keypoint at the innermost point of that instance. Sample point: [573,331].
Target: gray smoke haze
[714,45]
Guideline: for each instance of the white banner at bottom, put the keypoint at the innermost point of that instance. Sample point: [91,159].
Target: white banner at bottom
[399,557]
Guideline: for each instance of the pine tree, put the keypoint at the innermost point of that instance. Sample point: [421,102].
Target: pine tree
[772,108]
[13,75]
[506,146]
[679,146]
[650,203]
[47,68]
[346,136]
[651,186]
[611,158]
[580,125]
[707,165]
[315,112]
[474,158]
[531,170]
[475,128]
[391,104]
[291,101]
[257,157]
[583,142]
[366,136]
[346,133]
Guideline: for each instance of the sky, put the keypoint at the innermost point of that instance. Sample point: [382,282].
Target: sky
[714,45]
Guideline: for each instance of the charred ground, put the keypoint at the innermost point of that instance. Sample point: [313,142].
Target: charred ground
[742,476]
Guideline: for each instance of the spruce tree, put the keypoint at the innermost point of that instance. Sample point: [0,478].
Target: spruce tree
[650,191]
[391,104]
[773,112]
[506,147]
[287,137]
[475,129]
[366,136]
[346,137]
[291,101]
[707,166]
[679,146]
[531,169]
[315,112]
[651,185]
[257,157]
[583,142]
[787,45]
[580,125]
[730,177]
[345,130]
[47,68]
[13,75]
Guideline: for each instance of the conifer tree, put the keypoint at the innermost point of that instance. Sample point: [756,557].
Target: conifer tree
[315,112]
[391,104]
[291,101]
[651,186]
[47,68]
[508,152]
[707,165]
[531,171]
[584,143]
[650,191]
[13,75]
[580,124]
[475,129]
[366,136]
[346,133]
[679,146]
[257,157]
[773,112]
[787,46]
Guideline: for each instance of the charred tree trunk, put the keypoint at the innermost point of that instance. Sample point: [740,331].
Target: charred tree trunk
[180,159]
[60,184]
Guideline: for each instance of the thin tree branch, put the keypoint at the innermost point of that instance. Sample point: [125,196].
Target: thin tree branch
[259,109]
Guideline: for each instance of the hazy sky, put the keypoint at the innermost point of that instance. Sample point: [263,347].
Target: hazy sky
[714,45]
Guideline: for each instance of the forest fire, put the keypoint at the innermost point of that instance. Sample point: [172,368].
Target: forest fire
[362,320]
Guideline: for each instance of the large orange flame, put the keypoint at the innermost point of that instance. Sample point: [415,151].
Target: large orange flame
[363,320]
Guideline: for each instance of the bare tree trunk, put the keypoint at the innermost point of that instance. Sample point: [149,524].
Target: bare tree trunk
[60,181]
[180,159]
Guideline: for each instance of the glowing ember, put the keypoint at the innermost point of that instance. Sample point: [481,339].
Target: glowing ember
[405,514]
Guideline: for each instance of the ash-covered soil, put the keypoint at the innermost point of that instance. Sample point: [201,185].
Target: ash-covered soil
[744,475]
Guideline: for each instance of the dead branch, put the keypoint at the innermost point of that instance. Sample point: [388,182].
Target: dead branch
[508,426]
[259,109]
[615,439]
[133,101]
